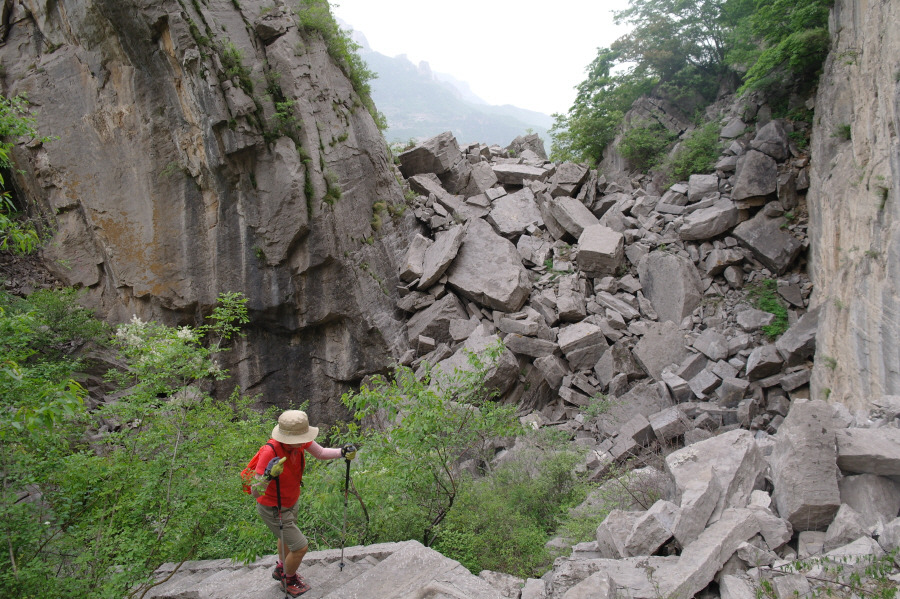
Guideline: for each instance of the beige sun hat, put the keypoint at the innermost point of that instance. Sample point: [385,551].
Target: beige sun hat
[293,427]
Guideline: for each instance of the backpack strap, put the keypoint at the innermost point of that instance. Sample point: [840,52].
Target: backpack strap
[277,480]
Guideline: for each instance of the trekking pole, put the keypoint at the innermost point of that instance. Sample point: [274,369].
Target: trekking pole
[344,532]
[283,549]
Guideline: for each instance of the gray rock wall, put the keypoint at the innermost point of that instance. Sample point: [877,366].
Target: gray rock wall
[854,204]
[172,180]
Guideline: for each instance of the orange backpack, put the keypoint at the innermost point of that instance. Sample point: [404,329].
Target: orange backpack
[249,473]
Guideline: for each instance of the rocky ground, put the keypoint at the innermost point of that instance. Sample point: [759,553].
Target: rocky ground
[628,318]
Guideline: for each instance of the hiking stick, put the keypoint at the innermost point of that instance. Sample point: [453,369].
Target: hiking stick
[344,531]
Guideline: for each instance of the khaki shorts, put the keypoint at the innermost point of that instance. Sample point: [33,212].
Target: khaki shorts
[293,538]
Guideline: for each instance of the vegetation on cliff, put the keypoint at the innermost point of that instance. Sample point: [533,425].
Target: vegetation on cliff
[688,53]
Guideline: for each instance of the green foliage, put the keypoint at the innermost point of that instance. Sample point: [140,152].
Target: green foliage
[783,44]
[100,514]
[233,62]
[501,522]
[696,154]
[332,188]
[644,144]
[683,43]
[284,121]
[764,297]
[843,131]
[687,52]
[847,576]
[315,16]
[15,122]
[602,101]
[431,423]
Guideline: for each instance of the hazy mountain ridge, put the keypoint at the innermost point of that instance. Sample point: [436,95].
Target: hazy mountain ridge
[420,104]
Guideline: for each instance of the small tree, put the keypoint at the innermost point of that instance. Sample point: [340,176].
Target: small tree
[428,429]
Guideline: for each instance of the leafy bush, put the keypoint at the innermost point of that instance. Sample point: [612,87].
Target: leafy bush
[764,297]
[696,154]
[15,121]
[102,513]
[602,101]
[644,143]
[432,422]
[795,40]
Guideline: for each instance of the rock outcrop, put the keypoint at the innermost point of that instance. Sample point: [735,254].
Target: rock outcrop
[202,148]
[854,206]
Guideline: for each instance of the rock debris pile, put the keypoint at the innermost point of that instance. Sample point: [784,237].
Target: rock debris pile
[608,289]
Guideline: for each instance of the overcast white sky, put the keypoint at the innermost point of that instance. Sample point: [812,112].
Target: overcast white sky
[522,52]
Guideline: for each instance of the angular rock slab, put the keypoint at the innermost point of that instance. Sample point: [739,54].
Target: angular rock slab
[804,467]
[500,377]
[488,270]
[601,251]
[869,451]
[662,345]
[434,321]
[440,254]
[875,498]
[768,242]
[755,178]
[513,213]
[711,222]
[572,215]
[702,559]
[671,283]
[436,155]
[518,174]
[732,458]
[411,267]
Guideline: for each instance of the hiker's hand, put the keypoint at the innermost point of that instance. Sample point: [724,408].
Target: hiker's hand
[348,452]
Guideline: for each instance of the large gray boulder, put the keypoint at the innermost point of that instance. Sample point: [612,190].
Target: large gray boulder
[732,458]
[412,266]
[701,186]
[768,242]
[583,344]
[514,212]
[440,254]
[772,140]
[710,222]
[671,283]
[755,179]
[518,174]
[798,343]
[869,451]
[434,321]
[601,251]
[804,467]
[436,155]
[500,377]
[701,560]
[488,270]
[572,215]
[662,345]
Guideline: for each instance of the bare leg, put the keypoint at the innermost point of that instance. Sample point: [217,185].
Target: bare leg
[292,561]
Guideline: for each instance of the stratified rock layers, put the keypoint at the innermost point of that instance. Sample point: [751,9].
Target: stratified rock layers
[188,162]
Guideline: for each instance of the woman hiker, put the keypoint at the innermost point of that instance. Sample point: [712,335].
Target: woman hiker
[292,437]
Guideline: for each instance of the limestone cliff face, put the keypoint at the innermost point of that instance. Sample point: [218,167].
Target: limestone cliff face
[182,170]
[854,203]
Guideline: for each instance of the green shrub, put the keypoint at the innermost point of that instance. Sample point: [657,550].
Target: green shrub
[501,522]
[233,62]
[764,297]
[644,144]
[697,154]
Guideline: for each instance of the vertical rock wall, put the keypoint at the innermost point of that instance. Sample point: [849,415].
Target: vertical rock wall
[209,146]
[854,203]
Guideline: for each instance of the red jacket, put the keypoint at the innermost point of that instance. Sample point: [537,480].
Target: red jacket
[289,479]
